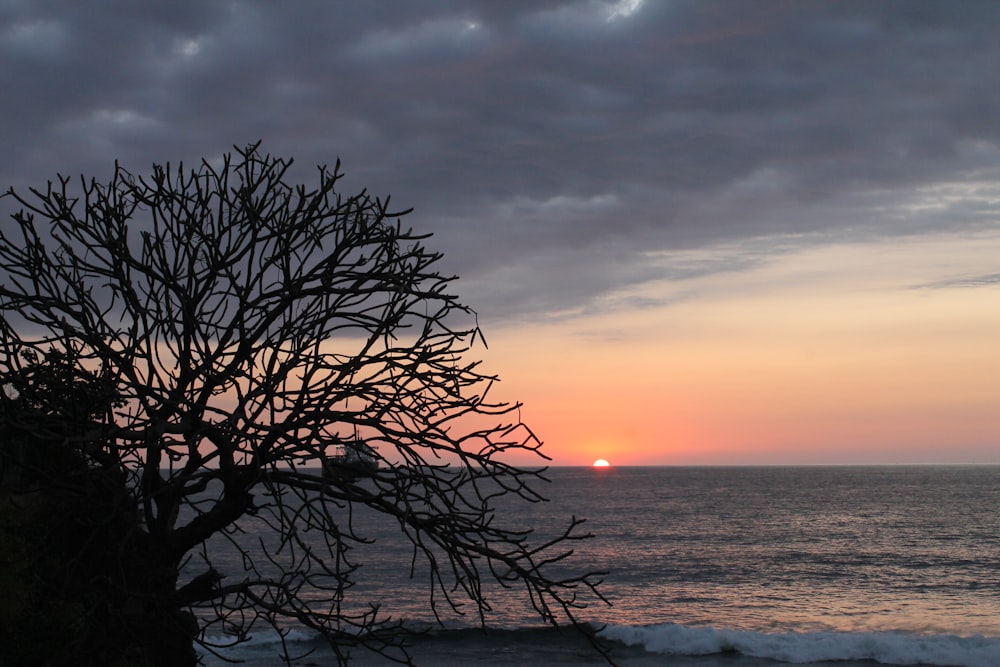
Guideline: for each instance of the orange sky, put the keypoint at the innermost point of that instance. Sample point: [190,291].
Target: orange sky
[829,354]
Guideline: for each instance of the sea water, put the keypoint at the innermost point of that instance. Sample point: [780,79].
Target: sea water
[740,566]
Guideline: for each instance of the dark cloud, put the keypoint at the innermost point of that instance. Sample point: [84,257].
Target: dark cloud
[990,280]
[553,144]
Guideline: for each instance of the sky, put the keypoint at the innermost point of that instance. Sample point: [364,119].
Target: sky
[695,232]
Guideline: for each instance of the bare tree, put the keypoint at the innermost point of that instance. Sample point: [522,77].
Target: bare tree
[277,356]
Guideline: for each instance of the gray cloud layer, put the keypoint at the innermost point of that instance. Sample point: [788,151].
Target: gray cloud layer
[549,145]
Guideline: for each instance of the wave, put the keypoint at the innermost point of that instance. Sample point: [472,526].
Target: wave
[261,646]
[887,648]
[538,645]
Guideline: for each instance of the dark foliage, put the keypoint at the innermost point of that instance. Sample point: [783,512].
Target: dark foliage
[81,584]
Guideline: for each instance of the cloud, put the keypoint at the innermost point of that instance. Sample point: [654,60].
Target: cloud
[582,17]
[450,37]
[38,38]
[556,142]
[988,280]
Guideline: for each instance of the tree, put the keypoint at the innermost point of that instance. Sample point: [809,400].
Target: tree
[280,356]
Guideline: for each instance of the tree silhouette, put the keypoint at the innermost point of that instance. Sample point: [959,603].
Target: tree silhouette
[270,356]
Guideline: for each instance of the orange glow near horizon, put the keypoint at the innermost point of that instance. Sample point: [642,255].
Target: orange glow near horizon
[810,360]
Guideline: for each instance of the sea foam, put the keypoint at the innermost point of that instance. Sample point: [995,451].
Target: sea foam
[888,648]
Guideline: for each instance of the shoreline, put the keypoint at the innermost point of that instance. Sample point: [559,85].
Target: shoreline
[548,647]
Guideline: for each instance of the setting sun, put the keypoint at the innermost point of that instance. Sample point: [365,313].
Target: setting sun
[601,463]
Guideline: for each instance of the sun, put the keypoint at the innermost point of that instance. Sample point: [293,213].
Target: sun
[601,463]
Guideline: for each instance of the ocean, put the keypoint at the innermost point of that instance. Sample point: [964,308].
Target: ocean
[735,567]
